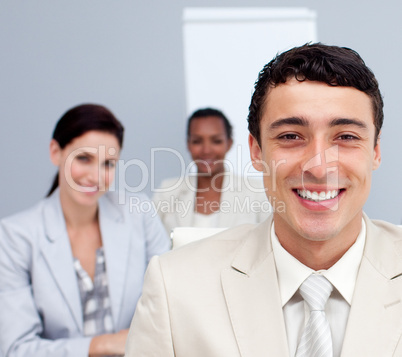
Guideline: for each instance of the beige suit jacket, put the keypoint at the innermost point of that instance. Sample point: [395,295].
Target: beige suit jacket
[220,298]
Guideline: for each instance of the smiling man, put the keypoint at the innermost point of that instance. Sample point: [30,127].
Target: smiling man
[318,278]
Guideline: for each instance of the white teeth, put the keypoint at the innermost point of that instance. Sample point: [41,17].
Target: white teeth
[318,197]
[315,196]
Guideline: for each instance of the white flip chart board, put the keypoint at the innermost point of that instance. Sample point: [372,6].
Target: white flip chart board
[225,48]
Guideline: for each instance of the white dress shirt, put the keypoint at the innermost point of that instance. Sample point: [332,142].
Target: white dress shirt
[342,275]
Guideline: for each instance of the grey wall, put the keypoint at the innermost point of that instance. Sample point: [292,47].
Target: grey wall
[127,55]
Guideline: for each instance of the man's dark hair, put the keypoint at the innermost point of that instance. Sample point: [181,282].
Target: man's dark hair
[333,65]
[210,112]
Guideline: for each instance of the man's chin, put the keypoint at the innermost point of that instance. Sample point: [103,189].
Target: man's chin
[319,233]
[316,230]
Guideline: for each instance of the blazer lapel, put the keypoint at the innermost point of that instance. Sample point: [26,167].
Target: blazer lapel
[375,325]
[56,250]
[252,295]
[116,241]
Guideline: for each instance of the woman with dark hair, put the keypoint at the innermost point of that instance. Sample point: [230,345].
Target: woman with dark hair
[72,267]
[214,197]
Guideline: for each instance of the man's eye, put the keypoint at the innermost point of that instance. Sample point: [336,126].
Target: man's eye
[290,137]
[348,137]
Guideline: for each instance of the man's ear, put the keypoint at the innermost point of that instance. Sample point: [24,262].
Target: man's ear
[55,152]
[377,154]
[255,153]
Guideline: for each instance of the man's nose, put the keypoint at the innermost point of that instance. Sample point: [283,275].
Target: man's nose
[321,160]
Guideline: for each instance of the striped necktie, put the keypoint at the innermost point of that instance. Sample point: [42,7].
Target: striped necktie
[316,340]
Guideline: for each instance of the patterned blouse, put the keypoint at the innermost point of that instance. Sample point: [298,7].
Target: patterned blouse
[95,300]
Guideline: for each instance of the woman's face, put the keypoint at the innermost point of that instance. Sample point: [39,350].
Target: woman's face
[86,166]
[208,144]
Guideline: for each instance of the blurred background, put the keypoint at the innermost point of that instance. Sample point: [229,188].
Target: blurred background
[131,57]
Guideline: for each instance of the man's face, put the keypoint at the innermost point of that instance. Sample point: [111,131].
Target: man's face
[317,154]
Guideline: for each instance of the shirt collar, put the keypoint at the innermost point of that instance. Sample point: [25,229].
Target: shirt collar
[342,275]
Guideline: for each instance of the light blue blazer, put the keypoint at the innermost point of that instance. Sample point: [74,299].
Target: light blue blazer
[40,308]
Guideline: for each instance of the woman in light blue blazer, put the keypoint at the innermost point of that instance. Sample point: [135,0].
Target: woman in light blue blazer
[72,267]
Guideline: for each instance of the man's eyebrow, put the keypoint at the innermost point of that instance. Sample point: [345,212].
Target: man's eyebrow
[288,121]
[347,121]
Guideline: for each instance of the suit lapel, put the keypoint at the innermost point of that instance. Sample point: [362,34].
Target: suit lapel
[56,250]
[375,325]
[116,241]
[252,295]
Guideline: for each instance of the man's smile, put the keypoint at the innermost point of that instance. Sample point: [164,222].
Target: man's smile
[318,196]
